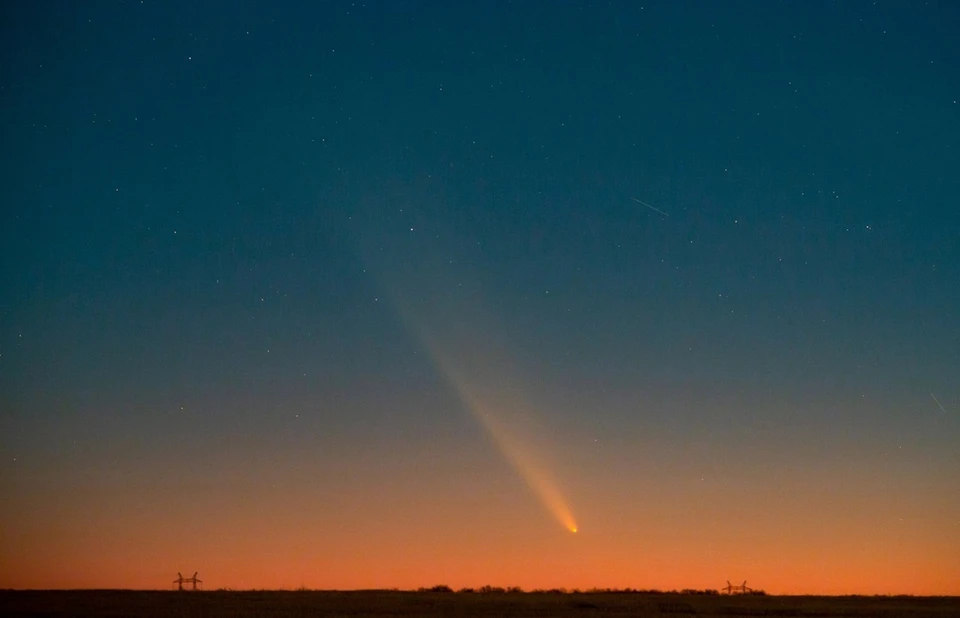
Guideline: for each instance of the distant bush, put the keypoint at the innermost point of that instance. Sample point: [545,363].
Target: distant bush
[518,590]
[440,588]
[491,590]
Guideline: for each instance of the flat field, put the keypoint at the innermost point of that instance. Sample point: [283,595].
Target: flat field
[283,604]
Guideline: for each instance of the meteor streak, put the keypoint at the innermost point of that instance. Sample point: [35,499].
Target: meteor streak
[649,206]
[940,405]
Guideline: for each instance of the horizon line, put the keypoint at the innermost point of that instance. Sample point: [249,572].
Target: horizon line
[496,590]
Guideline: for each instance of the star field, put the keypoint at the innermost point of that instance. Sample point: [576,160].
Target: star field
[372,295]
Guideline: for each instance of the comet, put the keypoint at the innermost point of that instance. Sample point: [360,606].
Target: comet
[533,473]
[490,401]
[462,343]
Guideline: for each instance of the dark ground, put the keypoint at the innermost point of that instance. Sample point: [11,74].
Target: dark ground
[282,604]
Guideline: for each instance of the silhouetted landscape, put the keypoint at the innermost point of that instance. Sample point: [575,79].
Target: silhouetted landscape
[439,601]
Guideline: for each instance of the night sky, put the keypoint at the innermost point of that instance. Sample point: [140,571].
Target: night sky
[538,294]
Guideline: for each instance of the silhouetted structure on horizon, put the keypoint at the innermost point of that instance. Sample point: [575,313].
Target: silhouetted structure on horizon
[741,589]
[181,580]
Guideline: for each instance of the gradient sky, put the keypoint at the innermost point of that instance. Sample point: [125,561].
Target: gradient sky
[355,295]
